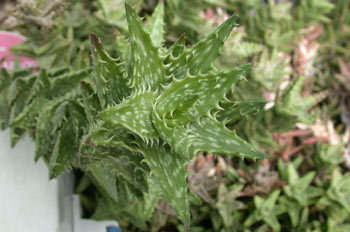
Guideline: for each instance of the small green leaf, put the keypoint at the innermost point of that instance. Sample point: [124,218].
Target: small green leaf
[227,203]
[265,210]
[5,79]
[340,189]
[293,209]
[293,104]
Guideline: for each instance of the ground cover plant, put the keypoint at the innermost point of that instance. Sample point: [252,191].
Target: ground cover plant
[155,125]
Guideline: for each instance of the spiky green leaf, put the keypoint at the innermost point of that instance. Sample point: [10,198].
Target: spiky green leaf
[201,56]
[155,25]
[110,81]
[65,150]
[104,178]
[192,97]
[147,67]
[169,169]
[238,109]
[134,113]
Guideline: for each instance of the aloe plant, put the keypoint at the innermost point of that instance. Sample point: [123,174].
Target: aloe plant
[132,125]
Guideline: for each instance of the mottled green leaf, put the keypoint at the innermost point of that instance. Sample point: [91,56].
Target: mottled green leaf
[147,67]
[44,136]
[41,87]
[110,82]
[340,189]
[192,97]
[227,203]
[265,210]
[27,118]
[92,104]
[169,169]
[155,25]
[5,110]
[68,82]
[201,56]
[175,50]
[294,105]
[5,79]
[238,109]
[134,113]
[219,139]
[104,178]
[123,49]
[65,150]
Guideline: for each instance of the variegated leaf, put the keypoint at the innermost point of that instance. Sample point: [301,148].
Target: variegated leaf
[68,82]
[219,139]
[41,87]
[124,209]
[65,150]
[92,104]
[175,50]
[5,79]
[201,56]
[151,198]
[134,113]
[238,109]
[103,134]
[103,177]
[123,49]
[172,134]
[147,67]
[5,110]
[121,162]
[110,83]
[155,25]
[44,136]
[192,97]
[27,118]
[169,169]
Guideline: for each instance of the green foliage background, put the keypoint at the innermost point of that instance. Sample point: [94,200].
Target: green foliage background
[132,141]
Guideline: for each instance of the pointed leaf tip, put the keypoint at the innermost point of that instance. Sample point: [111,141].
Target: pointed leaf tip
[148,70]
[98,48]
